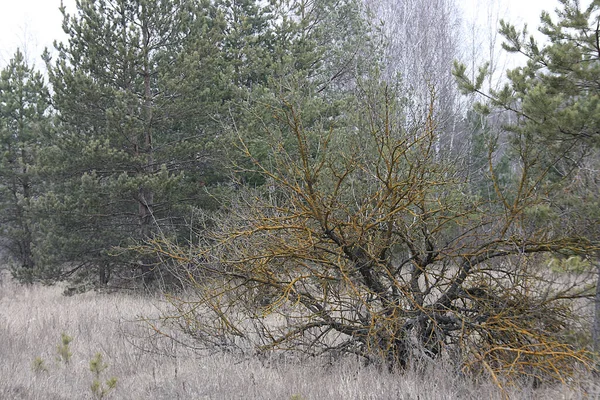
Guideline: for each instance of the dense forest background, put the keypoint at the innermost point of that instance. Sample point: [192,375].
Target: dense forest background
[349,166]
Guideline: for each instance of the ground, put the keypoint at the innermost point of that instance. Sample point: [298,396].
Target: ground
[32,319]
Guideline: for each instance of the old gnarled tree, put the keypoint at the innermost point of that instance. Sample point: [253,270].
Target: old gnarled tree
[367,239]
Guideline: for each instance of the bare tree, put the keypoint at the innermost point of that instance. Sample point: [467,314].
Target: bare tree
[422,41]
[364,241]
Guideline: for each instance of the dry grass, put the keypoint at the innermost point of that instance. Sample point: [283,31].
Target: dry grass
[33,318]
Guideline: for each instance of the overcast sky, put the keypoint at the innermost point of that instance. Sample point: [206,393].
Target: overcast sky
[30,25]
[35,24]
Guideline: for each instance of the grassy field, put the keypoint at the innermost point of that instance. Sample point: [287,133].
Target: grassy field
[33,318]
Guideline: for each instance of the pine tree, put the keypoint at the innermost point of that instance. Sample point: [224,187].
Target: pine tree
[135,89]
[328,44]
[24,127]
[143,90]
[314,52]
[248,39]
[555,97]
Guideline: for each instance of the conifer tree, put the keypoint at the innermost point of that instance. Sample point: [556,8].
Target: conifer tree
[312,51]
[142,91]
[555,98]
[328,44]
[134,88]
[248,38]
[24,127]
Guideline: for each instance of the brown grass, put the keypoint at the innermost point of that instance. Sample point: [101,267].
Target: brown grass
[33,318]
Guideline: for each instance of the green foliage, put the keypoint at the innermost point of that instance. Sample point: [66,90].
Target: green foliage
[97,365]
[64,349]
[39,365]
[317,50]
[555,94]
[465,85]
[137,86]
[24,129]
[25,276]
[144,93]
[100,389]
[575,264]
[553,133]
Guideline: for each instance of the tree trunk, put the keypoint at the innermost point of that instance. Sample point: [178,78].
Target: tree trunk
[146,195]
[27,254]
[596,322]
[22,185]
[104,274]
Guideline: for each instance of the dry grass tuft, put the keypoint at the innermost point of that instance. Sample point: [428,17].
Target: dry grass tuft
[32,320]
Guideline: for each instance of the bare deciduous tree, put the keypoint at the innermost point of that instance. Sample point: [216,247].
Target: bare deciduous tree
[363,241]
[422,41]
